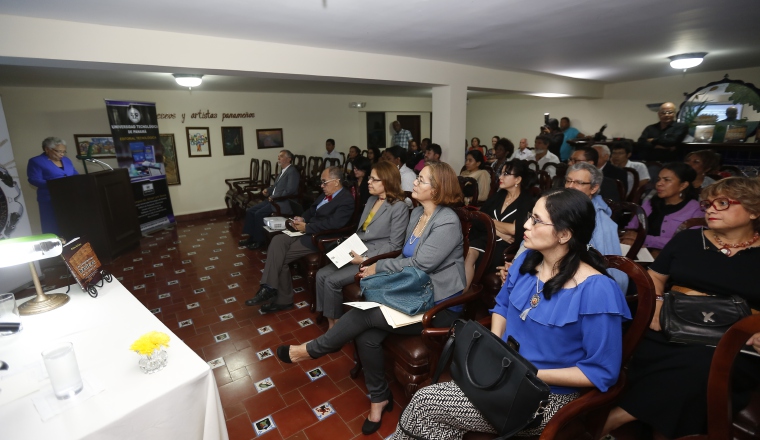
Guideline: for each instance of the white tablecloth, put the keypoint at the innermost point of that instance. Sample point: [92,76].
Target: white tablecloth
[179,402]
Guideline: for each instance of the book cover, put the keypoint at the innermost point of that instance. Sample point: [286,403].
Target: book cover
[82,262]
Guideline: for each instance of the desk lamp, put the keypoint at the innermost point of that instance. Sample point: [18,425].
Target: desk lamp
[28,250]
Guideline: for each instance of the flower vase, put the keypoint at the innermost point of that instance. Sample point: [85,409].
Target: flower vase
[153,362]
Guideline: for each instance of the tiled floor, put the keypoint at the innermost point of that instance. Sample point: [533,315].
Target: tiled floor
[196,280]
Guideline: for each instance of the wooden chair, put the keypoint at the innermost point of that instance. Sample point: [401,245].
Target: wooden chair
[494,182]
[414,358]
[331,162]
[233,192]
[532,164]
[470,187]
[633,193]
[299,160]
[721,425]
[249,194]
[584,417]
[690,223]
[560,169]
[641,230]
[544,180]
[415,202]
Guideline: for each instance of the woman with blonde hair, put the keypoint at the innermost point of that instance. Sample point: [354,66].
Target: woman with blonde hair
[433,245]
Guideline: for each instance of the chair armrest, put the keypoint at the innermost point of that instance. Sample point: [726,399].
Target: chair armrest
[340,233]
[230,182]
[427,318]
[372,260]
[321,242]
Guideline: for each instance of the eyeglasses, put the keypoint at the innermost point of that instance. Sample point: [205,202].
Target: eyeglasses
[419,180]
[720,204]
[507,174]
[61,152]
[371,179]
[533,219]
[575,182]
[667,112]
[325,182]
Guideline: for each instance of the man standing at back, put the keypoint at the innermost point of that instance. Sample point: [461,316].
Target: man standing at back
[570,133]
[659,141]
[285,185]
[402,137]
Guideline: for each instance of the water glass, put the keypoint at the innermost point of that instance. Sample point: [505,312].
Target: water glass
[61,364]
[8,311]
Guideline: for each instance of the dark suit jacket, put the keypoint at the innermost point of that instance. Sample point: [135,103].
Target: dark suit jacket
[609,190]
[333,215]
[616,173]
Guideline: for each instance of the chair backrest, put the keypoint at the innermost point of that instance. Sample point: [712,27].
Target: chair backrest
[314,166]
[494,182]
[253,171]
[266,172]
[365,153]
[544,180]
[532,164]
[342,158]
[620,189]
[469,188]
[469,216]
[690,223]
[415,202]
[634,183]
[277,168]
[299,160]
[560,169]
[624,212]
[330,162]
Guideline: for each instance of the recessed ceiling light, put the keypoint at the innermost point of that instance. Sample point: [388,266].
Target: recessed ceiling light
[687,60]
[549,95]
[186,80]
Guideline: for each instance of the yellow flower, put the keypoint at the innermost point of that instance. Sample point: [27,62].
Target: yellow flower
[149,342]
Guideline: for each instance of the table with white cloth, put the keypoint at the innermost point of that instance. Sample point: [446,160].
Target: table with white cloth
[179,402]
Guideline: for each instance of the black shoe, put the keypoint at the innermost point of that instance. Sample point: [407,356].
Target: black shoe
[264,294]
[283,352]
[245,242]
[370,427]
[274,307]
[253,246]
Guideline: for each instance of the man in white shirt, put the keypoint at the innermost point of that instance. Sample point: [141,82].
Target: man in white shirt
[397,156]
[402,137]
[621,157]
[543,155]
[330,152]
[523,152]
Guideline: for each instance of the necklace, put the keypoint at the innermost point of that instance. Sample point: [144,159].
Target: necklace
[412,239]
[726,247]
[536,298]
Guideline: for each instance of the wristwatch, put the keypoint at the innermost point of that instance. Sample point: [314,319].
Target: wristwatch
[11,209]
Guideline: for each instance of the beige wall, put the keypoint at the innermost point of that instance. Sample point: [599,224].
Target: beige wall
[307,120]
[623,107]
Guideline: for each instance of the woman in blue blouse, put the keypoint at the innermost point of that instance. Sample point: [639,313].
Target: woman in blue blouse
[561,306]
[51,164]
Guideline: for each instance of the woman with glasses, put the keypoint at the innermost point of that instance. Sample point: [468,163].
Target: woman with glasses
[433,245]
[51,164]
[674,203]
[508,209]
[668,382]
[559,304]
[381,228]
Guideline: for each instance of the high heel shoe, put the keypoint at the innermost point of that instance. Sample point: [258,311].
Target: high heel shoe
[369,426]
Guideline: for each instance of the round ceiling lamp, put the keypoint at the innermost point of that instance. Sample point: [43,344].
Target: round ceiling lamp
[188,80]
[687,60]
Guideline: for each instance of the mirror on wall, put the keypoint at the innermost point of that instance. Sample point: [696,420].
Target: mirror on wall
[722,111]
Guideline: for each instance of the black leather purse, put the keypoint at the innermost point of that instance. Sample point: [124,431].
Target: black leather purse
[501,384]
[699,319]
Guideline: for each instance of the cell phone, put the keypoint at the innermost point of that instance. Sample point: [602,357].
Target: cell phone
[512,342]
[546,118]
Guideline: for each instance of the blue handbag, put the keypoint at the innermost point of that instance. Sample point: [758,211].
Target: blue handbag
[409,291]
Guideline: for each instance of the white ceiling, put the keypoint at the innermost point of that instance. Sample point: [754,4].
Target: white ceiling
[605,40]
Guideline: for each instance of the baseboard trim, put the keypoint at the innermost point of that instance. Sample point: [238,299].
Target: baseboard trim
[201,215]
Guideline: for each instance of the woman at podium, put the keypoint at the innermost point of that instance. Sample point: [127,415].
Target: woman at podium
[51,164]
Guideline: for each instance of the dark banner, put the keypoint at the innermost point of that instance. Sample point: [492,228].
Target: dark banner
[134,128]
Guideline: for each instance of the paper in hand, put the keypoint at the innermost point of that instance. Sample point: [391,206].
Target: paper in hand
[341,255]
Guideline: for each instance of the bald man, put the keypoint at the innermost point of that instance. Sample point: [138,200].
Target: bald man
[659,141]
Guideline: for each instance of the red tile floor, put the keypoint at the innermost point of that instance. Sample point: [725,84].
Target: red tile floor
[191,278]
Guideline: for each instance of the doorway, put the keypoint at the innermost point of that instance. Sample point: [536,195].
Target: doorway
[411,123]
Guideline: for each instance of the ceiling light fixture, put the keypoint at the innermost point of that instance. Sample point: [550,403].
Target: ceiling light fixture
[687,60]
[549,95]
[188,80]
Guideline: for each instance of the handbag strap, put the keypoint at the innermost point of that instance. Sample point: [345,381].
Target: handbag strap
[446,353]
[505,363]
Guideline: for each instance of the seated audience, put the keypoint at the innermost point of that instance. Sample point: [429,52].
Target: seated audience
[381,228]
[475,165]
[475,145]
[414,155]
[543,155]
[502,151]
[569,133]
[373,154]
[508,208]
[659,141]
[573,330]
[332,210]
[608,189]
[491,151]
[432,155]
[667,387]
[353,153]
[397,156]
[621,158]
[285,185]
[704,162]
[523,152]
[330,152]
[674,203]
[362,168]
[608,169]
[433,245]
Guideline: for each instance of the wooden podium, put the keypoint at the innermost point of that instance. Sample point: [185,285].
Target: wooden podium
[99,207]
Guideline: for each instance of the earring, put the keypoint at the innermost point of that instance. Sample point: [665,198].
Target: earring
[680,194]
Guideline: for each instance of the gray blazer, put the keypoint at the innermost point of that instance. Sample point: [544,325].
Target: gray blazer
[386,231]
[439,252]
[286,184]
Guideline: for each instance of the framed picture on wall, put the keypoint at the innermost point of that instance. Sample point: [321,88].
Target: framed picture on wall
[198,142]
[269,138]
[171,165]
[102,145]
[232,141]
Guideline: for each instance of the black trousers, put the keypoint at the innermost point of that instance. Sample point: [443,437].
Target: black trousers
[369,329]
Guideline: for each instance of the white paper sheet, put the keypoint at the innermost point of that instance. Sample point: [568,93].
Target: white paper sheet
[292,234]
[341,255]
[642,257]
[394,318]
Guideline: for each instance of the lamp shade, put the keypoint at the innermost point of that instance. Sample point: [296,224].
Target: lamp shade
[26,249]
[687,60]
[188,80]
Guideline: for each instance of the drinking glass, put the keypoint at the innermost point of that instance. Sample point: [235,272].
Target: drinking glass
[61,364]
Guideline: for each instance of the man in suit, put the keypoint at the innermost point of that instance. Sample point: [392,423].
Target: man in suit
[589,155]
[285,185]
[332,210]
[608,169]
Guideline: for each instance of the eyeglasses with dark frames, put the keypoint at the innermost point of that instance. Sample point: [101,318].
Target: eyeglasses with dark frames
[535,220]
[576,182]
[720,203]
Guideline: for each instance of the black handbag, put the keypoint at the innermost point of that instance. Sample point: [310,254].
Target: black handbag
[699,319]
[499,382]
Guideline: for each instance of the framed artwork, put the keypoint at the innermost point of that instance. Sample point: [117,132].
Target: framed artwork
[269,138]
[735,133]
[102,145]
[171,165]
[198,142]
[232,141]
